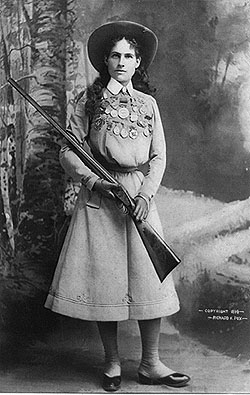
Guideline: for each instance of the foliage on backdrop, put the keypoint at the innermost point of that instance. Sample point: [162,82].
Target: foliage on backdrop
[201,73]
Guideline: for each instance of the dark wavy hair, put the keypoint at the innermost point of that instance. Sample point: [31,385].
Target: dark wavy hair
[140,79]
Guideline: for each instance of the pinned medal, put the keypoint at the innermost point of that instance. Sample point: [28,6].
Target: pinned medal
[116,130]
[123,99]
[133,134]
[146,132]
[113,113]
[99,122]
[143,110]
[105,104]
[124,133]
[109,126]
[114,102]
[133,117]
[123,112]
[141,124]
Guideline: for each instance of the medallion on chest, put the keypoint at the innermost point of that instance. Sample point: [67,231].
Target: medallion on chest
[123,116]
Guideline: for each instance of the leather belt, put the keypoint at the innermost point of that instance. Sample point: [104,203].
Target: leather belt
[115,167]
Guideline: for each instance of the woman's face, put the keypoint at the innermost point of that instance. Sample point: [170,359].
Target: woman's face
[122,62]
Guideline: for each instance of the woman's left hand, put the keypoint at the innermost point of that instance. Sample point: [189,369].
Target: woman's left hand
[141,209]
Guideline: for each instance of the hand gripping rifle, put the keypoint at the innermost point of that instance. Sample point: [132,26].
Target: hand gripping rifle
[161,255]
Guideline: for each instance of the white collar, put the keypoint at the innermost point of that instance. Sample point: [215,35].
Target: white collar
[115,87]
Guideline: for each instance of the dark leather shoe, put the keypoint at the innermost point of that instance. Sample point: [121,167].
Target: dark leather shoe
[111,384]
[172,380]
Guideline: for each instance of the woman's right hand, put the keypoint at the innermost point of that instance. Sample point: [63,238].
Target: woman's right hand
[105,188]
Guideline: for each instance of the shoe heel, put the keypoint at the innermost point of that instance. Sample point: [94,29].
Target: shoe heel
[144,380]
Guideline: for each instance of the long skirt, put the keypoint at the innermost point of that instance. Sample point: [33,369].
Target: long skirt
[104,272]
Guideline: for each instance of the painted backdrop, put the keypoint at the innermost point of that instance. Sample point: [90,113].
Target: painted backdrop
[202,80]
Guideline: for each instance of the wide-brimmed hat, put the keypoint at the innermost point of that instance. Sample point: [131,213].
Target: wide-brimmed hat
[102,36]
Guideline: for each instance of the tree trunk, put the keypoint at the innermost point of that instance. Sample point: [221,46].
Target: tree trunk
[15,59]
[41,212]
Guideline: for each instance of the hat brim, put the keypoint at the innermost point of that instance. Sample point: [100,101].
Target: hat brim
[98,40]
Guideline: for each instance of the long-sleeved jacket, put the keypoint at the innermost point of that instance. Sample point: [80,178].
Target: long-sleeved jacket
[104,272]
[125,132]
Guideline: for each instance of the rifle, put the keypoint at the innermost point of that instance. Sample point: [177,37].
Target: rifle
[161,255]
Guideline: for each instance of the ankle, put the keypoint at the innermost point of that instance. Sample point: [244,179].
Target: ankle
[154,369]
[112,369]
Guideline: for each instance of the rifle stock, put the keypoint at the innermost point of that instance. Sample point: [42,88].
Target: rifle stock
[161,255]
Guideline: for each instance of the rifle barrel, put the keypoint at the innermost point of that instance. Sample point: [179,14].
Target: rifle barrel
[161,255]
[73,141]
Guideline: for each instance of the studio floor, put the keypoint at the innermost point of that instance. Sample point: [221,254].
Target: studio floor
[74,365]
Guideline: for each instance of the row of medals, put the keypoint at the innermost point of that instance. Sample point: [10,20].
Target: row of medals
[113,109]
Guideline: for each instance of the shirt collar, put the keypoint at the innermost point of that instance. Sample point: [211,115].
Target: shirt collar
[115,87]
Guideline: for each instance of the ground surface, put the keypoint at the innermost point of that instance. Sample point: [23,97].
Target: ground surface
[62,362]
[69,365]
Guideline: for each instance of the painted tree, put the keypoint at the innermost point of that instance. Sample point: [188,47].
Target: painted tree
[33,48]
[41,209]
[15,60]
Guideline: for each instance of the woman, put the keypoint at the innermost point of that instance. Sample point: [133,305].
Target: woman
[104,273]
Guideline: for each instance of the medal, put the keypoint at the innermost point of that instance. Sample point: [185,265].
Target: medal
[133,117]
[116,130]
[99,122]
[113,113]
[133,134]
[141,124]
[109,126]
[123,100]
[105,104]
[123,112]
[113,102]
[146,132]
[124,133]
[143,111]
[107,110]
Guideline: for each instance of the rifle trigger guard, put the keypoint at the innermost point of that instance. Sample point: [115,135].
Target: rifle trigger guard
[124,197]
[123,200]
[121,207]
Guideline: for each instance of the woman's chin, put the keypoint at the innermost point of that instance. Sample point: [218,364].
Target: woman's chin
[121,78]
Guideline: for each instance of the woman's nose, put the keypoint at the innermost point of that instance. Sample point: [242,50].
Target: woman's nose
[121,61]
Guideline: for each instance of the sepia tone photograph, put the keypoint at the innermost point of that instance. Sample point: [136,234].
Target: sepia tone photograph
[124,196]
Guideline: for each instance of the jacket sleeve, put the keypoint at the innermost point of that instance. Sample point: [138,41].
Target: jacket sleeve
[79,126]
[157,157]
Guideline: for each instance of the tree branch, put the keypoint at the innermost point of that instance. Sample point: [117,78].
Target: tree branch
[26,15]
[19,49]
[20,79]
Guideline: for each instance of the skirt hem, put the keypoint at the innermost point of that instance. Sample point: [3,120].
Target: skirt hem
[107,313]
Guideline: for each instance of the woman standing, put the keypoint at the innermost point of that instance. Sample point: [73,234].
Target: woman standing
[104,273]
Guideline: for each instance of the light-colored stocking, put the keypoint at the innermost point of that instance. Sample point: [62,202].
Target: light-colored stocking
[150,365]
[108,333]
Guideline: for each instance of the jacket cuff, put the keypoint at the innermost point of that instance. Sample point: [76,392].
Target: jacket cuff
[145,190]
[89,181]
